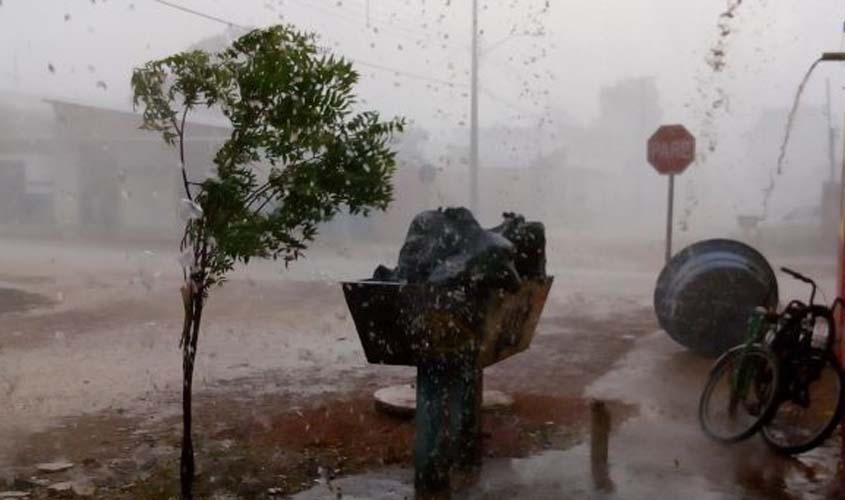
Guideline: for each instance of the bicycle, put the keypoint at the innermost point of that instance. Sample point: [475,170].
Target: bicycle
[784,380]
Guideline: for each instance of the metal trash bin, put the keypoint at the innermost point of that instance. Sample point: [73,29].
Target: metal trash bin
[450,337]
[403,324]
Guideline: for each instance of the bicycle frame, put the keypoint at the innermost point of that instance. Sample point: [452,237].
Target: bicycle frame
[783,353]
[741,379]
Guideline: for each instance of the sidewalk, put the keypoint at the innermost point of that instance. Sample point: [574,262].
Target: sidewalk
[660,453]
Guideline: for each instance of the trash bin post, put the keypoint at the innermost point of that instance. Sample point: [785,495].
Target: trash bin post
[466,416]
[432,446]
[447,449]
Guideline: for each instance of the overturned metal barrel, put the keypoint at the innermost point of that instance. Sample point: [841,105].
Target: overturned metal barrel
[706,293]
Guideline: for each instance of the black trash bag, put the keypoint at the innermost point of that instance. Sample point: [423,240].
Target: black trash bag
[384,273]
[529,238]
[449,247]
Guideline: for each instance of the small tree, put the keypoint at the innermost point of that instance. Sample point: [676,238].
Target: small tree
[290,108]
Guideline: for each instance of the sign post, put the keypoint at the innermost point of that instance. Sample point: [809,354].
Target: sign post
[670,150]
[669,216]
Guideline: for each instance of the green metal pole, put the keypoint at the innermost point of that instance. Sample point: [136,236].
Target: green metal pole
[432,447]
[448,425]
[465,410]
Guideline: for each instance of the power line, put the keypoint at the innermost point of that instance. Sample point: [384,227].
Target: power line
[200,14]
[399,30]
[382,67]
[507,102]
[399,33]
[410,75]
[407,23]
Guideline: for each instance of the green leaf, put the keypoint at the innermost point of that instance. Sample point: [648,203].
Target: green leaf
[290,105]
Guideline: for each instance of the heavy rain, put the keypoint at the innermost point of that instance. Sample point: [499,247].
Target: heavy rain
[432,249]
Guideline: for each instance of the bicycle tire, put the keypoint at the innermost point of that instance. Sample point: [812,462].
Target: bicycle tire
[763,409]
[769,430]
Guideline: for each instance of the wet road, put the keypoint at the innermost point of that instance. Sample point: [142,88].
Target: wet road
[106,341]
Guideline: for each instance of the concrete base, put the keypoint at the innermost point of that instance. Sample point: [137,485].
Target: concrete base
[401,400]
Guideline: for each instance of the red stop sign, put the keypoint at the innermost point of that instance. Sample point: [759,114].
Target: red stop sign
[671,149]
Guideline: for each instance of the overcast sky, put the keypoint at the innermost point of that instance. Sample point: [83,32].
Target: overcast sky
[585,45]
[84,50]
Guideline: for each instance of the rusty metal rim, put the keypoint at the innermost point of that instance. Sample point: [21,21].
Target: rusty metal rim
[730,252]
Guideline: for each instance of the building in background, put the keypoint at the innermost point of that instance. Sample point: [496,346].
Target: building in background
[86,170]
[26,181]
[77,170]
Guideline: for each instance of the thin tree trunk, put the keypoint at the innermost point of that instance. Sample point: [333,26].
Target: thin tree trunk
[186,464]
[193,301]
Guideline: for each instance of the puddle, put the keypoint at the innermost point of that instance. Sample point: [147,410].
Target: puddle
[15,300]
[26,280]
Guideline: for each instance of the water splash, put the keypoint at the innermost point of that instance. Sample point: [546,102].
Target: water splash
[710,90]
[717,57]
[709,87]
[790,123]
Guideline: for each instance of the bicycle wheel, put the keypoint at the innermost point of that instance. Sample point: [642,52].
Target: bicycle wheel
[740,393]
[811,408]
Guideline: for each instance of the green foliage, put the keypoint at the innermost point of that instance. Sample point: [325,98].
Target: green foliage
[298,153]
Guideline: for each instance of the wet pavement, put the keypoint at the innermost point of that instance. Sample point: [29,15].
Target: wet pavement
[104,344]
[660,453]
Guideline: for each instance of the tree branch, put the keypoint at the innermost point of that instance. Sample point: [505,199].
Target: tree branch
[264,203]
[180,131]
[287,171]
[182,154]
[252,197]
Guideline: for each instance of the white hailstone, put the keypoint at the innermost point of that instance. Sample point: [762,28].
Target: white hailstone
[189,210]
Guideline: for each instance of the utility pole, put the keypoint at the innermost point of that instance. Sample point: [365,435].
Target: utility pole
[476,54]
[831,134]
[473,127]
[840,270]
